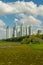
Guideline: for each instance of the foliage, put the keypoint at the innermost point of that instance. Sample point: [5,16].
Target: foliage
[36,40]
[20,55]
[42,36]
[38,35]
[32,39]
[16,39]
[25,41]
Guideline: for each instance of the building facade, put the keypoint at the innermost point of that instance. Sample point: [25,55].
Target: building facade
[21,31]
[18,31]
[8,32]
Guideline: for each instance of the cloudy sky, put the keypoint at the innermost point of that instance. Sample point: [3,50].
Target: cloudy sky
[28,11]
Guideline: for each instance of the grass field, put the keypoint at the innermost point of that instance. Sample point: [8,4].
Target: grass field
[12,53]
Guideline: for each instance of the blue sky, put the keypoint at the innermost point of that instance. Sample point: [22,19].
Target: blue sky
[28,11]
[38,2]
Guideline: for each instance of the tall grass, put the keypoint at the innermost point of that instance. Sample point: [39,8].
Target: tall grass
[12,53]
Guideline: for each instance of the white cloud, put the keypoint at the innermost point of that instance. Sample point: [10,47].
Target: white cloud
[34,21]
[40,10]
[30,8]
[35,29]
[18,7]
[5,8]
[30,20]
[1,23]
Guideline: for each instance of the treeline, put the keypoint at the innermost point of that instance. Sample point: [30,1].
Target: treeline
[34,39]
[38,38]
[15,39]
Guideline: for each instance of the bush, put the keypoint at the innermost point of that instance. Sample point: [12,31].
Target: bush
[26,41]
[36,40]
[33,40]
[39,36]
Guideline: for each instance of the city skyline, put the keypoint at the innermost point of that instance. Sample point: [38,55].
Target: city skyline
[28,11]
[18,30]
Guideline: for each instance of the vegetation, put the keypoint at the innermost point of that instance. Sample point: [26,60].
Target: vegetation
[38,38]
[33,39]
[12,53]
[30,52]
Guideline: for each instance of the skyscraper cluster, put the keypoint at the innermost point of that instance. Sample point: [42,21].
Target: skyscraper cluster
[18,31]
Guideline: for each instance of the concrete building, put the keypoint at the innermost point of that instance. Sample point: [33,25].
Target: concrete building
[21,30]
[18,30]
[8,32]
[29,30]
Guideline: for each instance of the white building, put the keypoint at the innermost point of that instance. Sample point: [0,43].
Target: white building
[18,30]
[8,32]
[22,30]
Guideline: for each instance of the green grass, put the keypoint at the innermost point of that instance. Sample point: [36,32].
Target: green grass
[36,46]
[33,46]
[12,53]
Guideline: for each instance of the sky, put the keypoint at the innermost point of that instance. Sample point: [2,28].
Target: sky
[28,11]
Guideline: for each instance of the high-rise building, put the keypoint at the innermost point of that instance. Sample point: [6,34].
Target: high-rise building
[15,28]
[18,30]
[39,32]
[29,30]
[22,29]
[13,31]
[8,32]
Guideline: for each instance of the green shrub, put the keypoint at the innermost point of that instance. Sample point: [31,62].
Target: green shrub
[33,40]
[25,41]
[36,40]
